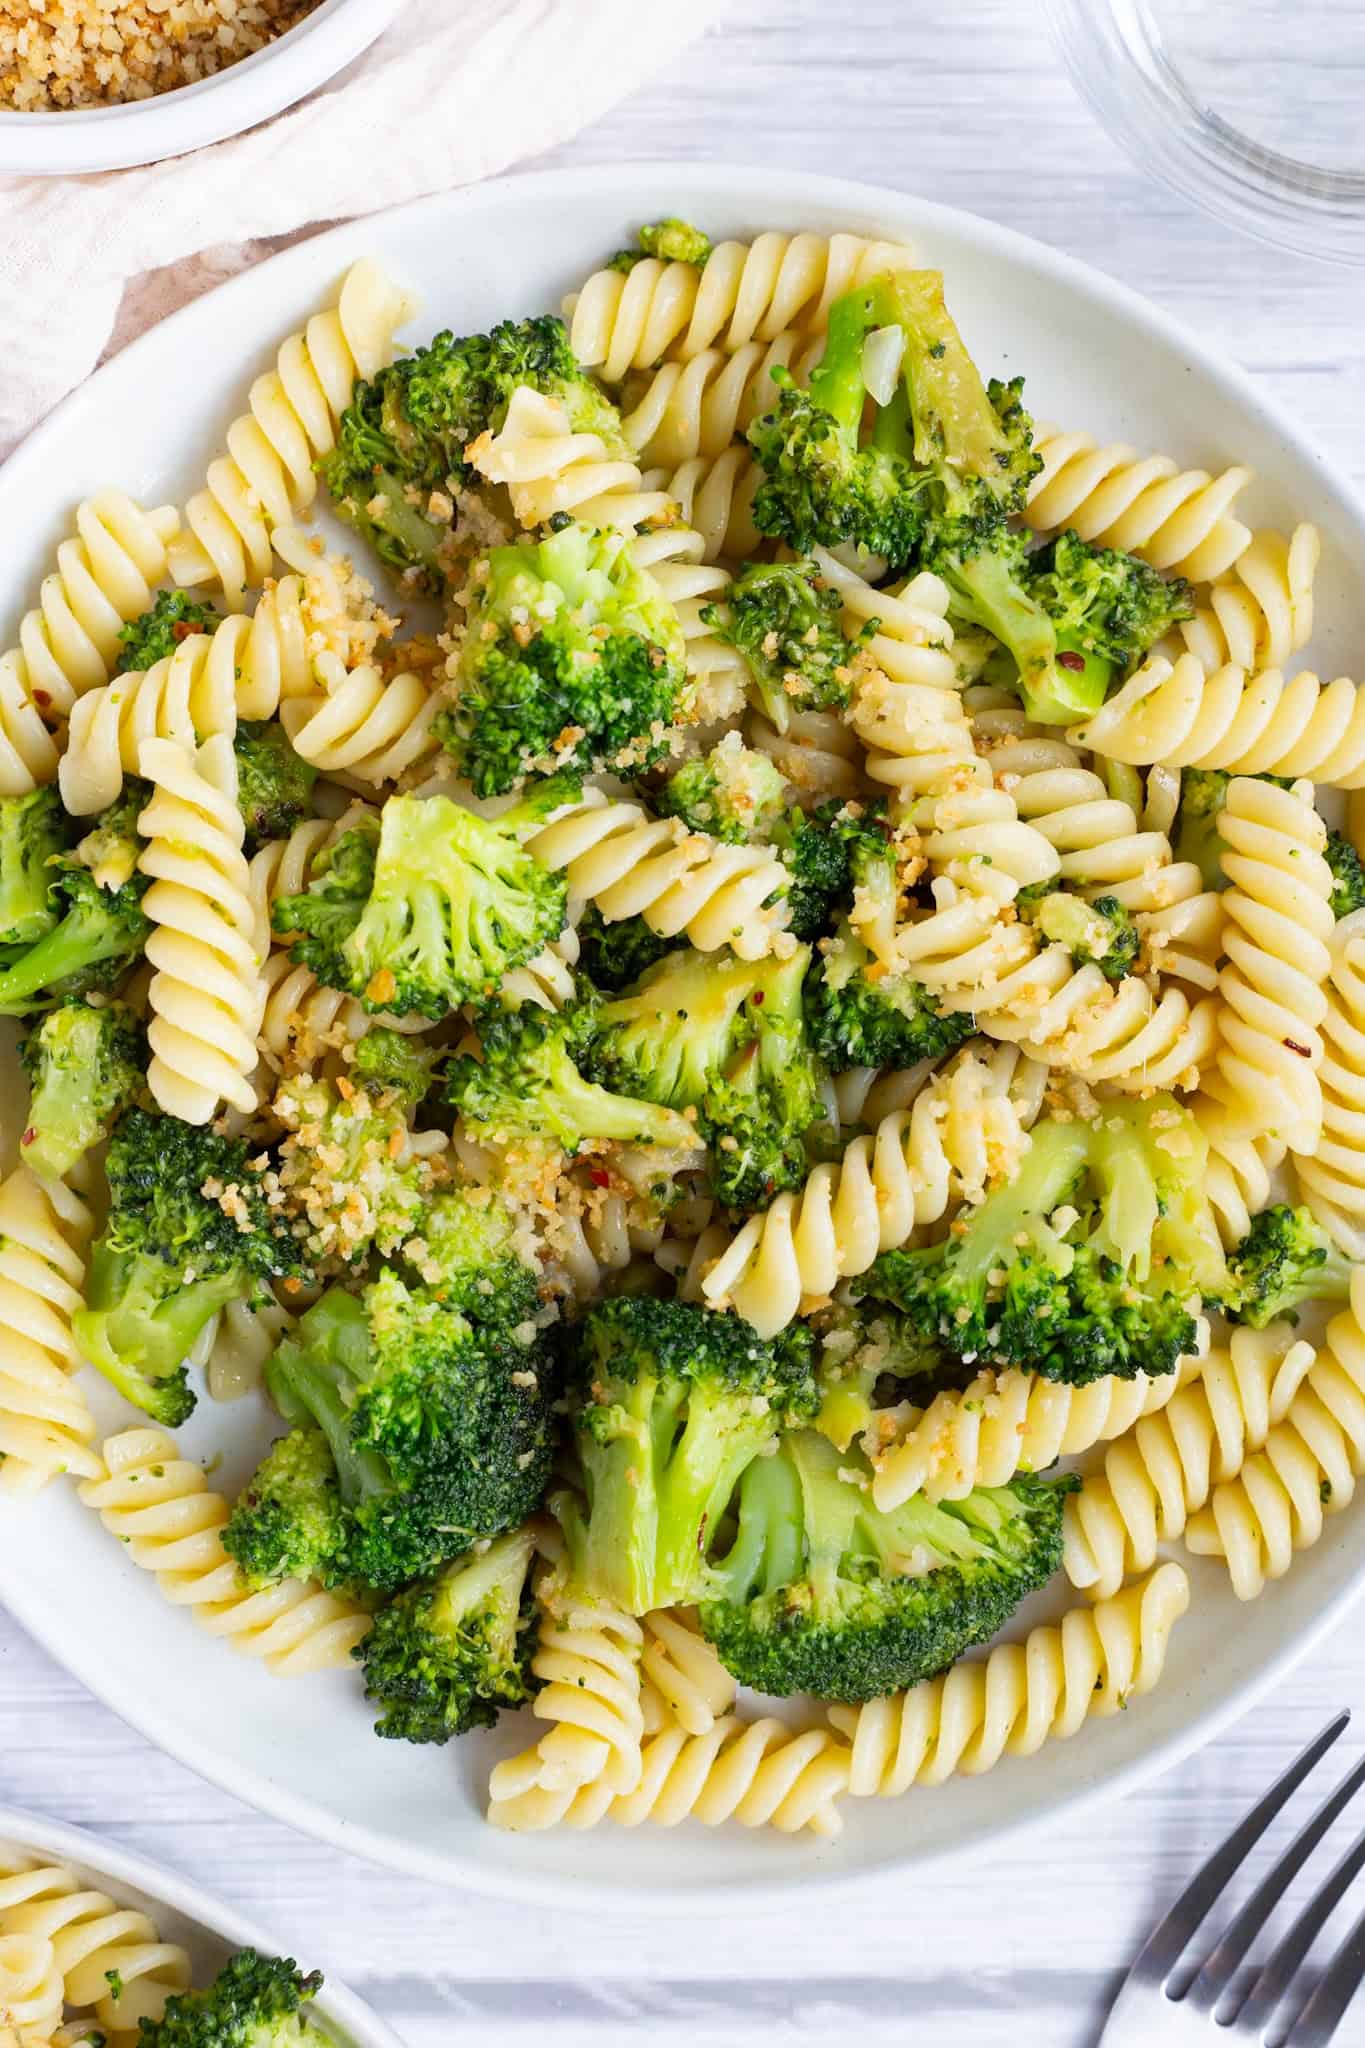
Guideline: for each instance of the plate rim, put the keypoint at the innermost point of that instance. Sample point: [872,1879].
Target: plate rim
[67,1843]
[781,193]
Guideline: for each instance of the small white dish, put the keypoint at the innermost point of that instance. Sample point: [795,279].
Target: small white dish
[1096,356]
[250,91]
[200,1923]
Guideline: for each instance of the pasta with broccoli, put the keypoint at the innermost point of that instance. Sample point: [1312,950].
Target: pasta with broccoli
[733,999]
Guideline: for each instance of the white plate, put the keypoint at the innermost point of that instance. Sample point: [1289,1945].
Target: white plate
[1095,355]
[201,1924]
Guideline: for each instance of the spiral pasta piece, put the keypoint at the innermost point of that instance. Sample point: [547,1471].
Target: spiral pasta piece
[1186,717]
[206,992]
[45,1425]
[549,470]
[110,1958]
[758,1773]
[587,1659]
[631,865]
[1332,1176]
[961,1135]
[715,496]
[1085,1667]
[547,981]
[693,1684]
[358,723]
[631,320]
[1237,1179]
[673,557]
[817,753]
[1307,1469]
[1262,611]
[1002,1423]
[1279,923]
[284,867]
[913,641]
[701,406]
[31,1987]
[1104,850]
[1154,1479]
[266,476]
[162,1510]
[105,576]
[1178,520]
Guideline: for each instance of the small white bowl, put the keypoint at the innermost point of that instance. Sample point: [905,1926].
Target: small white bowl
[144,131]
[209,1929]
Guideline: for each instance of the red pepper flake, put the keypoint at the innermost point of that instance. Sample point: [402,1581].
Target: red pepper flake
[759,997]
[183,629]
[1304,1052]
[1075,662]
[599,1176]
[29,1135]
[41,697]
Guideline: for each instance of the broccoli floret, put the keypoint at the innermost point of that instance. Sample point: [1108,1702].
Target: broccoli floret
[572,657]
[725,1038]
[288,1521]
[671,240]
[464,1249]
[863,1017]
[1348,875]
[441,1435]
[826,852]
[864,1347]
[821,1592]
[612,955]
[735,793]
[405,432]
[1073,617]
[527,1079]
[350,1179]
[1103,933]
[1285,1259]
[85,1066]
[945,453]
[785,621]
[256,2002]
[448,1654]
[274,784]
[175,616]
[395,1064]
[98,932]
[190,1229]
[435,912]
[1088,1263]
[671,1404]
[33,835]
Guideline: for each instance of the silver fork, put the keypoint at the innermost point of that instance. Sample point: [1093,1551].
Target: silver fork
[1160,2004]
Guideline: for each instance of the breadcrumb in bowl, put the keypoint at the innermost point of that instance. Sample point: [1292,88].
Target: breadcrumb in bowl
[89,85]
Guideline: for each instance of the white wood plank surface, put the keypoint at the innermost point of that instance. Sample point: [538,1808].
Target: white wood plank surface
[969,105]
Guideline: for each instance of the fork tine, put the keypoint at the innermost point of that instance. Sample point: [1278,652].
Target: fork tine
[1326,2009]
[1241,1931]
[1289,1952]
[1171,1937]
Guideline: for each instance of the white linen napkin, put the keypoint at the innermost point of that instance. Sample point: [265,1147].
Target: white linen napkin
[454,91]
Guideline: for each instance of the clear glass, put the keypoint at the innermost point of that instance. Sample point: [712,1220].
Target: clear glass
[1250,108]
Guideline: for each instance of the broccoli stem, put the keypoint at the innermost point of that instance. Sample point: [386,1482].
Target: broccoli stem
[85,938]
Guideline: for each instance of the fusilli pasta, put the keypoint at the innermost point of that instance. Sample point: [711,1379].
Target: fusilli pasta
[162,1510]
[1178,520]
[962,1133]
[700,406]
[1085,1667]
[695,1687]
[206,993]
[1186,717]
[1279,921]
[31,1989]
[265,477]
[1332,1177]
[110,1958]
[714,495]
[1307,1469]
[1155,1478]
[742,293]
[105,575]
[45,1424]
[1262,611]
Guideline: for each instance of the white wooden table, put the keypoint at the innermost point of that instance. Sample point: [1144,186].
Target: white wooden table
[966,104]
